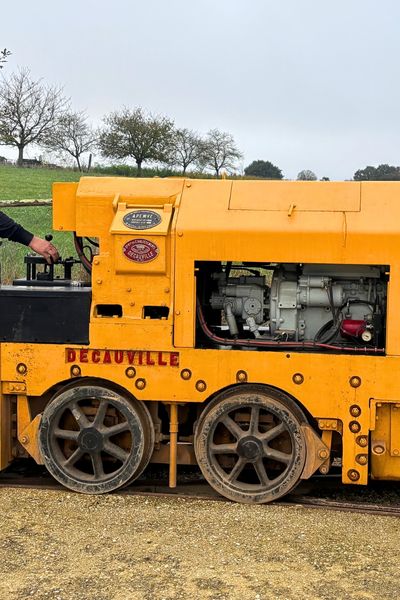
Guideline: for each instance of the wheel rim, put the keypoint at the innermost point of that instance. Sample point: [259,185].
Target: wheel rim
[94,440]
[250,447]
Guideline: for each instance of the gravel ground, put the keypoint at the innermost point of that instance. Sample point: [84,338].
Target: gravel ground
[65,546]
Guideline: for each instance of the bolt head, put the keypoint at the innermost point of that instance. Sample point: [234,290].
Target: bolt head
[241,376]
[362,459]
[354,427]
[22,368]
[186,374]
[355,381]
[130,372]
[353,475]
[298,378]
[362,441]
[140,384]
[201,385]
[355,410]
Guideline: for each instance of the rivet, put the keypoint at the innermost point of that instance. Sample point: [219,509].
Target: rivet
[24,439]
[166,290]
[128,289]
[354,427]
[99,281]
[323,469]
[201,385]
[75,371]
[186,374]
[177,312]
[396,452]
[378,449]
[362,459]
[140,384]
[188,184]
[355,410]
[131,304]
[355,381]
[96,261]
[21,368]
[362,441]
[130,372]
[353,475]
[180,233]
[298,378]
[241,376]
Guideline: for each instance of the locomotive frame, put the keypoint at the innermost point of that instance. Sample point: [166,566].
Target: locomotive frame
[257,421]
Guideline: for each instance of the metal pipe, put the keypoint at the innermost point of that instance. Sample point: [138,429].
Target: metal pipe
[173,444]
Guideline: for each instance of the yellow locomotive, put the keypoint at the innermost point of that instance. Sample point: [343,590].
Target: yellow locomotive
[249,327]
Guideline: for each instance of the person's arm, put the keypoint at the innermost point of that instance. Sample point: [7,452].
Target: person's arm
[16,233]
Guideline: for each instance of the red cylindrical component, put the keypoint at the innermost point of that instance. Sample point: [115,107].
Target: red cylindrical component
[353,327]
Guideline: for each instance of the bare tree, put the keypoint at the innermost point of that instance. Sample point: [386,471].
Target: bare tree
[219,151]
[28,111]
[306,175]
[72,135]
[186,147]
[4,54]
[135,134]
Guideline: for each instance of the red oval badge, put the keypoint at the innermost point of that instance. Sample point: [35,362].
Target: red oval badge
[140,251]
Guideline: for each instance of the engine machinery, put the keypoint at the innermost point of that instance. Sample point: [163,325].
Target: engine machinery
[305,302]
[248,327]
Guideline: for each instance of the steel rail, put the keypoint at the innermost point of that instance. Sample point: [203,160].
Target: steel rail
[202,491]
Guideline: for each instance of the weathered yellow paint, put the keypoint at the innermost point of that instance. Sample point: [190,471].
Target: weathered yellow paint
[28,428]
[208,220]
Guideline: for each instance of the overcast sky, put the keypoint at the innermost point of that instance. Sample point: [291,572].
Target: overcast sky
[306,84]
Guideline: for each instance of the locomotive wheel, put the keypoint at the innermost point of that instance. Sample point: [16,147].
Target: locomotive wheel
[93,440]
[249,444]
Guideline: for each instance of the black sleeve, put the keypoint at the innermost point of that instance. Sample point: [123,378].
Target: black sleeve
[11,230]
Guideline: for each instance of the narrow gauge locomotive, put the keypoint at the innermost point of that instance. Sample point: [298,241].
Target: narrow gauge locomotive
[249,327]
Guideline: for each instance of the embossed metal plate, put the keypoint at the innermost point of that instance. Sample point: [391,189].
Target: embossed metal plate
[140,251]
[141,219]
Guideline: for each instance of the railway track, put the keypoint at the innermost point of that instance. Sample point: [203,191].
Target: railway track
[303,497]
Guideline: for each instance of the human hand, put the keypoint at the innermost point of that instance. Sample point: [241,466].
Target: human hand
[45,249]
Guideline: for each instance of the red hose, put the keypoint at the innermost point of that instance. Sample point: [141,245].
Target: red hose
[274,344]
[79,250]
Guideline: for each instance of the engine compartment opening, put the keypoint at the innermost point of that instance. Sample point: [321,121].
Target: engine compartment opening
[337,308]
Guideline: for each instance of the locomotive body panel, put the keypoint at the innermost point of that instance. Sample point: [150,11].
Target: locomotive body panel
[171,326]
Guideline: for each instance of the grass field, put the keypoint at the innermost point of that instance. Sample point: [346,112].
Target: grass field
[21,184]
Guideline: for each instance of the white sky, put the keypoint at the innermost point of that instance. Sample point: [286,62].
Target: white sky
[307,84]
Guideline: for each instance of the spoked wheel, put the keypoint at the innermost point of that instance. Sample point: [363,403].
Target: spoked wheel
[249,444]
[93,440]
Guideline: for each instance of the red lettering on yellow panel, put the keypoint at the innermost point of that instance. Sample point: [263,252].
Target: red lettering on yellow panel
[143,358]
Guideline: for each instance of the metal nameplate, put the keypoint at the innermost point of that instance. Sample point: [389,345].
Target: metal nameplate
[141,219]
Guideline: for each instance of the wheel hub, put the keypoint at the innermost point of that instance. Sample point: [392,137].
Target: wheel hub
[90,440]
[250,447]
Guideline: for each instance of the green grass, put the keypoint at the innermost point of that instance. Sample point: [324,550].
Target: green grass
[21,184]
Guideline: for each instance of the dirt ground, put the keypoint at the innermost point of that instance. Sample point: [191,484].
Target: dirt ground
[65,546]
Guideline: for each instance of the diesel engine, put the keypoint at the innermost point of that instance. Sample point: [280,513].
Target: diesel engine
[310,304]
